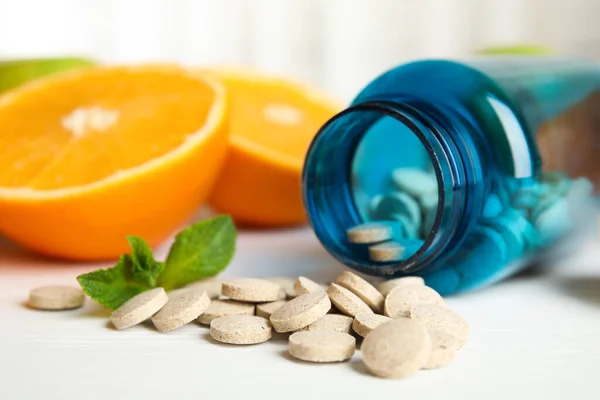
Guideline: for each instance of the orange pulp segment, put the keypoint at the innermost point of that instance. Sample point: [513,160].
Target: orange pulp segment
[91,156]
[272,124]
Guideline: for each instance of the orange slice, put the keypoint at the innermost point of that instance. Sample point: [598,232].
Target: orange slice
[272,123]
[91,156]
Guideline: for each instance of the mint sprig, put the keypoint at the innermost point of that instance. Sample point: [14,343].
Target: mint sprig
[145,268]
[113,286]
[200,251]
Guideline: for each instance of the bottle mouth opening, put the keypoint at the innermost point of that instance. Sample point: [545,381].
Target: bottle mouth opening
[379,162]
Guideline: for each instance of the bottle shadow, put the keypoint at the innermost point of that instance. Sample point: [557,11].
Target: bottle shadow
[585,288]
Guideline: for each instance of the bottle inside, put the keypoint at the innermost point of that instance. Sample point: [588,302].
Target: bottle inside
[378,164]
[393,182]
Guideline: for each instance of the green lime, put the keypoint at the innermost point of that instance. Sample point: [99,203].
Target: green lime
[517,50]
[16,72]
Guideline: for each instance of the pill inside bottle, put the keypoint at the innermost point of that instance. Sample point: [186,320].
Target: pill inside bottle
[476,168]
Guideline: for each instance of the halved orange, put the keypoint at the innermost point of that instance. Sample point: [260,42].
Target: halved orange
[91,156]
[272,122]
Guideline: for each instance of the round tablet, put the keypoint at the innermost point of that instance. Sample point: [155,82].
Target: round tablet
[386,287]
[346,301]
[56,298]
[222,308]
[304,285]
[322,346]
[331,322]
[365,323]
[371,232]
[520,225]
[553,221]
[414,181]
[384,206]
[300,312]
[410,229]
[493,206]
[181,309]
[400,300]
[287,287]
[362,289]
[443,349]
[512,234]
[251,290]
[396,349]
[266,309]
[139,308]
[212,287]
[445,280]
[481,258]
[241,329]
[387,251]
[442,319]
[526,198]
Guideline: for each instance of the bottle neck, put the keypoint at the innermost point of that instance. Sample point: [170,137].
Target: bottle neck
[328,193]
[440,131]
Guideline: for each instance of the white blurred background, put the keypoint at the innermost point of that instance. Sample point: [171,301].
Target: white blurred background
[337,44]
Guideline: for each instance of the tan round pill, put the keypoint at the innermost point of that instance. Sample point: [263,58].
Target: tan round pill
[251,290]
[266,309]
[304,285]
[396,349]
[331,322]
[363,289]
[139,308]
[222,308]
[182,308]
[211,286]
[346,301]
[442,319]
[322,346]
[400,300]
[300,312]
[443,349]
[241,329]
[56,298]
[386,287]
[371,232]
[388,251]
[287,287]
[365,323]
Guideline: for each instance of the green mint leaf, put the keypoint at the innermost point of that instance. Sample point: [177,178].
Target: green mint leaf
[145,268]
[199,251]
[113,286]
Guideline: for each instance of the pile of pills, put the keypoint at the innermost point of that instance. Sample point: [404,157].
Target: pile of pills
[402,217]
[404,326]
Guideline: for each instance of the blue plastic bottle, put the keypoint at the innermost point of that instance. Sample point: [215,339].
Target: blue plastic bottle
[510,146]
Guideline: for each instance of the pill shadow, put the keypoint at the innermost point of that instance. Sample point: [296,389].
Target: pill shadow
[280,337]
[95,310]
[206,336]
[533,271]
[359,366]
[147,324]
[586,289]
[286,354]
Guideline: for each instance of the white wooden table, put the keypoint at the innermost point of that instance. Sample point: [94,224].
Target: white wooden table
[536,336]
